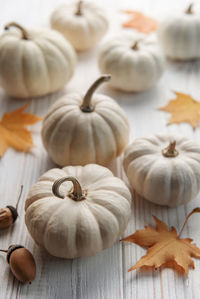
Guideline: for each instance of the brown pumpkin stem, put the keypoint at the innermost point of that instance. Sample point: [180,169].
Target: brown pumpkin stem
[77,193]
[170,151]
[86,105]
[23,31]
[189,10]
[196,210]
[79,11]
[135,45]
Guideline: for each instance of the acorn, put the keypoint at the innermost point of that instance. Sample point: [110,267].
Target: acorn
[9,214]
[21,262]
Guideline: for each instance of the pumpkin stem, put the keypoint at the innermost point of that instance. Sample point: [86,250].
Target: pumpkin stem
[23,31]
[170,151]
[86,105]
[135,46]
[77,193]
[79,9]
[196,210]
[189,10]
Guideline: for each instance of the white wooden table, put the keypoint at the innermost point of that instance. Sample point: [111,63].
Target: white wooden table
[105,275]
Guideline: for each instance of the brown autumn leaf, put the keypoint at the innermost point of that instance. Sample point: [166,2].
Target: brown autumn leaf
[165,247]
[13,132]
[140,22]
[183,109]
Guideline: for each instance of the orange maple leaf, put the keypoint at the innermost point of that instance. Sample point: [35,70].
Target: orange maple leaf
[183,109]
[166,248]
[140,22]
[13,132]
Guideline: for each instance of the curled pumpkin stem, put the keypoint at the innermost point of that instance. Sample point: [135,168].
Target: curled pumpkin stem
[76,194]
[23,31]
[86,105]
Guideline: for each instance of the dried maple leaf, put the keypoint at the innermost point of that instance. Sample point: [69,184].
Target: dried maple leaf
[13,132]
[140,22]
[166,248]
[183,109]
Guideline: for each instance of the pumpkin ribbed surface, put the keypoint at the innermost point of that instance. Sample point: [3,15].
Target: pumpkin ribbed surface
[160,179]
[37,66]
[74,137]
[134,61]
[69,228]
[83,30]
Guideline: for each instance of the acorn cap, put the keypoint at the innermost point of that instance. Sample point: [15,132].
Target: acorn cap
[14,212]
[12,248]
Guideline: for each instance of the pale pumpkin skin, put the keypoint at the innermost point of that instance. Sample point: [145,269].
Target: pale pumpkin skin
[79,130]
[72,226]
[179,35]
[165,180]
[83,23]
[34,62]
[135,62]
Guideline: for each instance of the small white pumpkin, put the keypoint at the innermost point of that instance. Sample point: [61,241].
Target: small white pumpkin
[34,62]
[135,62]
[83,23]
[179,35]
[166,175]
[79,130]
[80,220]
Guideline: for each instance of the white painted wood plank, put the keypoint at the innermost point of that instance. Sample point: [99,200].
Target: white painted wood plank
[105,275]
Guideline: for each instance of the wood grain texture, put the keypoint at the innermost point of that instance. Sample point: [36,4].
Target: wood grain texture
[103,276]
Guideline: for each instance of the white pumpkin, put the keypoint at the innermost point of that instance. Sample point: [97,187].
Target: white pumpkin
[83,23]
[164,169]
[79,130]
[88,214]
[34,62]
[135,62]
[179,35]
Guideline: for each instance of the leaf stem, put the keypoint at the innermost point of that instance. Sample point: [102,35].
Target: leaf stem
[196,210]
